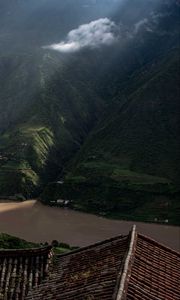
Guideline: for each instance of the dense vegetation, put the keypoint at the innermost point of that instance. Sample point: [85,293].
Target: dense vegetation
[99,127]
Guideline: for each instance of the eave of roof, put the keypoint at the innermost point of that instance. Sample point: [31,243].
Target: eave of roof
[24,252]
[22,269]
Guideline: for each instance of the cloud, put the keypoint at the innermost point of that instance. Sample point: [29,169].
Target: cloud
[92,35]
[140,24]
[148,24]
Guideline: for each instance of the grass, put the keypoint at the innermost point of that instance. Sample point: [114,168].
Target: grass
[11,242]
[61,250]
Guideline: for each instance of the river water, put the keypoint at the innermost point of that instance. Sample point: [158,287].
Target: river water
[35,222]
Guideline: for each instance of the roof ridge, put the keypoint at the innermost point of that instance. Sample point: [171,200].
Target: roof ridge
[92,246]
[125,272]
[159,244]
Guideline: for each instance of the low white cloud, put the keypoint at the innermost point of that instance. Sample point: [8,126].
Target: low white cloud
[92,35]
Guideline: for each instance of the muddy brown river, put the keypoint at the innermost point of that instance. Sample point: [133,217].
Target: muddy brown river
[35,222]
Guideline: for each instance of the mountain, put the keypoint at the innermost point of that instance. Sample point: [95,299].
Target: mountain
[47,110]
[104,119]
[46,130]
[129,164]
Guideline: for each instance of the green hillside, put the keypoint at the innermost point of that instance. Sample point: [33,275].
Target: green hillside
[129,165]
[49,132]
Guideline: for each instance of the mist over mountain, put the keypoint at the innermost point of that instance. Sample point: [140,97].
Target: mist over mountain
[89,95]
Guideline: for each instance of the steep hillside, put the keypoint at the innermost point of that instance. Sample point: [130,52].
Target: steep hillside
[45,131]
[47,101]
[129,165]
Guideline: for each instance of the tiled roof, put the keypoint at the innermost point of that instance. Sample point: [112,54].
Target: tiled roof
[131,267]
[155,272]
[90,273]
[20,270]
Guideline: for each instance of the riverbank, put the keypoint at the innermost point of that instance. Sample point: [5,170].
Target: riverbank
[35,222]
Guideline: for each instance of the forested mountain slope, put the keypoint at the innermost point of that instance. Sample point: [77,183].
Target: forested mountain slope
[129,164]
[48,129]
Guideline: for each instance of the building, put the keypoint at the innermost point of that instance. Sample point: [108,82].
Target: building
[132,267]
